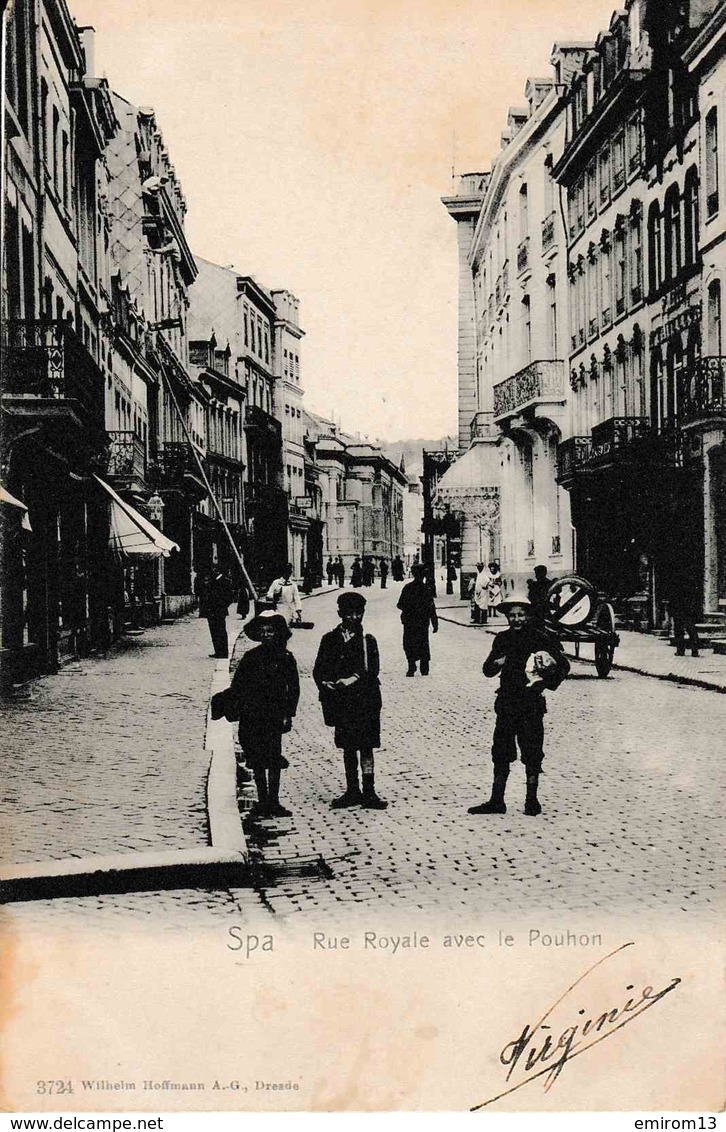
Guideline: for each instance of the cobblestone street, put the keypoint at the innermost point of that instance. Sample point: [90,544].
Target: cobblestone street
[632,790]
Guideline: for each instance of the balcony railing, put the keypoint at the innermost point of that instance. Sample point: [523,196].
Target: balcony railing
[548,232]
[619,440]
[176,466]
[572,455]
[257,418]
[705,394]
[482,426]
[47,360]
[539,381]
[615,436]
[523,256]
[127,455]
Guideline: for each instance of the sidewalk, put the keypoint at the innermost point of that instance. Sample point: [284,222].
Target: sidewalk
[108,755]
[637,652]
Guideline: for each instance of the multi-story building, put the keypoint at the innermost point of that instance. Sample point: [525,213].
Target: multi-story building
[157,414]
[517,261]
[241,316]
[630,169]
[59,122]
[362,495]
[703,411]
[288,335]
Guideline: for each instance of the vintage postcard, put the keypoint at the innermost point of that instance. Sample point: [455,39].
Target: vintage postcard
[363,508]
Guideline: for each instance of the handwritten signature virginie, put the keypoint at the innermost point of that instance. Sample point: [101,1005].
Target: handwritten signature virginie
[542,1050]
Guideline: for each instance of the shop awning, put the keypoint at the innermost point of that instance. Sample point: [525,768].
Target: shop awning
[6,497]
[133,536]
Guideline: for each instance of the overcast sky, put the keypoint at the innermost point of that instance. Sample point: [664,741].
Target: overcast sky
[314,139]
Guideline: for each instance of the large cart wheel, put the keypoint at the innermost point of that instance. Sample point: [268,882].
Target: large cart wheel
[605,644]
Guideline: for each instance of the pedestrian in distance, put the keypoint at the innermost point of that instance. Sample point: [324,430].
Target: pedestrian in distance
[356,573]
[528,661]
[418,611]
[215,598]
[681,589]
[480,601]
[264,693]
[495,588]
[397,569]
[368,570]
[286,595]
[346,673]
[538,588]
[340,571]
[330,571]
[383,570]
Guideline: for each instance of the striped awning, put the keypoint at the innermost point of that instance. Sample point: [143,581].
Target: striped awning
[132,536]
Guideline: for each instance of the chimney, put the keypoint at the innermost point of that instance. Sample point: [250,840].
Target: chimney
[88,43]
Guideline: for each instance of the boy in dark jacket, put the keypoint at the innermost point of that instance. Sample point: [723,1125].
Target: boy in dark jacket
[265,693]
[527,661]
[346,673]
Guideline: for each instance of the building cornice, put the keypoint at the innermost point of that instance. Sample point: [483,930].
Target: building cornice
[520,147]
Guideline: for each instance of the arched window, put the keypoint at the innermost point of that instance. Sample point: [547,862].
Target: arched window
[673,233]
[655,247]
[690,200]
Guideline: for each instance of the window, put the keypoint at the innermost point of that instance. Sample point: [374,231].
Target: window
[618,162]
[655,247]
[591,190]
[712,162]
[65,172]
[527,328]
[714,320]
[636,259]
[633,137]
[552,329]
[621,273]
[44,118]
[247,328]
[604,175]
[606,279]
[691,216]
[54,137]
[523,212]
[673,244]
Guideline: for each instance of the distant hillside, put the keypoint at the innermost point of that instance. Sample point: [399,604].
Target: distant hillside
[412,450]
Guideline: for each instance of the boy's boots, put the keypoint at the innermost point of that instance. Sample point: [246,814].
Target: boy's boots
[531,806]
[371,801]
[496,804]
[352,796]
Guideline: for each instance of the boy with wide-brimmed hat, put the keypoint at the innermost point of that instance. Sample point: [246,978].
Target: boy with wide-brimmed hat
[527,660]
[264,695]
[346,673]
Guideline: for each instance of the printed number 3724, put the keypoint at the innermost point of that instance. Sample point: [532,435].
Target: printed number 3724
[50,1087]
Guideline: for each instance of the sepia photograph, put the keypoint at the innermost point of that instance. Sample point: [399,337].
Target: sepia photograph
[363,556]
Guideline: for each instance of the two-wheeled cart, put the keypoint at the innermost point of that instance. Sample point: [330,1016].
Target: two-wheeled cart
[577,614]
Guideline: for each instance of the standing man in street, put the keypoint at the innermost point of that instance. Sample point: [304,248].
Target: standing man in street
[383,572]
[527,661]
[346,673]
[214,600]
[538,588]
[356,573]
[418,611]
[330,571]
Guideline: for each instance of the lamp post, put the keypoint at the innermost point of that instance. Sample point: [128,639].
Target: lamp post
[156,514]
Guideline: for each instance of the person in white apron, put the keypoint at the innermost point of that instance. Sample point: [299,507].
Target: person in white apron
[286,596]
